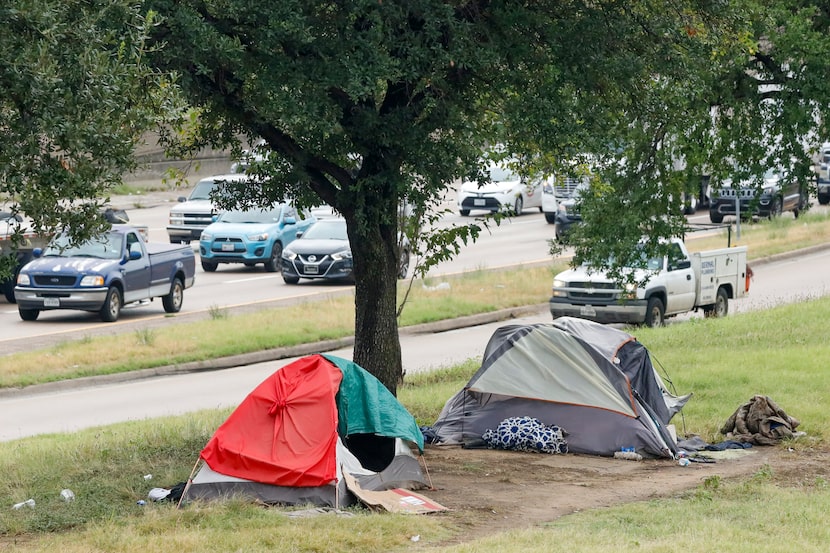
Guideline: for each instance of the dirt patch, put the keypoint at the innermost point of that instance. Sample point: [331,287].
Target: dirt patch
[489,491]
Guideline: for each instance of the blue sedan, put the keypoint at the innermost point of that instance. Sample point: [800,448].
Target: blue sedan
[251,236]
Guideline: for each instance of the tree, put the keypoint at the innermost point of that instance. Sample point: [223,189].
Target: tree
[367,103]
[740,93]
[75,98]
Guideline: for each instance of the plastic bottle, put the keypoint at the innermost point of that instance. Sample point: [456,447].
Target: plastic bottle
[28,503]
[684,462]
[628,455]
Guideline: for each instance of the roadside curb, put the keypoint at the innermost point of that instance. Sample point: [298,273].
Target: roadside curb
[264,356]
[789,255]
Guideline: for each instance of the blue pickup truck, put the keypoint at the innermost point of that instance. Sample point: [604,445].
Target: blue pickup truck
[104,274]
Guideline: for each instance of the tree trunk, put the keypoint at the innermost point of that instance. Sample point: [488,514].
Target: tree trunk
[377,346]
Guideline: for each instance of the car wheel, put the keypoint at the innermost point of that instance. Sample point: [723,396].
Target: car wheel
[209,266]
[655,312]
[776,209]
[690,207]
[550,217]
[172,302]
[112,306]
[721,306]
[273,263]
[715,217]
[802,204]
[403,264]
[8,286]
[464,212]
[290,279]
[28,314]
[519,206]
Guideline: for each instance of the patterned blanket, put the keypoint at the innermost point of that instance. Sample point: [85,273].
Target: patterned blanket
[526,434]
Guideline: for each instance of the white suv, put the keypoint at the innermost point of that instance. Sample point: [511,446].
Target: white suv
[195,212]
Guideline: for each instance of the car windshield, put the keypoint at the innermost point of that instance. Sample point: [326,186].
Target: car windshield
[203,189]
[255,215]
[327,230]
[500,174]
[107,246]
[642,261]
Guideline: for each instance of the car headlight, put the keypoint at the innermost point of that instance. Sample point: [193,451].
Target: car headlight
[345,254]
[559,283]
[630,291]
[206,236]
[23,280]
[288,255]
[92,280]
[176,219]
[258,237]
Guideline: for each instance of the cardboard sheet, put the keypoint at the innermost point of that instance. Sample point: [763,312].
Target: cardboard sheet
[396,500]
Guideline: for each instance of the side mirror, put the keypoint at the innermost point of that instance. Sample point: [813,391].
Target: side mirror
[37,252]
[289,221]
[182,199]
[683,264]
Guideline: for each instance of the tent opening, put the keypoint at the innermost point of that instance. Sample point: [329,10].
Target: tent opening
[374,452]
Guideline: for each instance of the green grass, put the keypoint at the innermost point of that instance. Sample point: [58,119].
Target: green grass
[780,352]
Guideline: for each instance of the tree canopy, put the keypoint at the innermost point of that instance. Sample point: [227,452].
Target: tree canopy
[369,103]
[75,98]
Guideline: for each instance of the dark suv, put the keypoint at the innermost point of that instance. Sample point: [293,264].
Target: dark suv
[778,193]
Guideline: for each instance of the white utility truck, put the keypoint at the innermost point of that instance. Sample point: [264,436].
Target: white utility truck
[676,283]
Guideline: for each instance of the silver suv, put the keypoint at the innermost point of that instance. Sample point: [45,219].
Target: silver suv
[193,213]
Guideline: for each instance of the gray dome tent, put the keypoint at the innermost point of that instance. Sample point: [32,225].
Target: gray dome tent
[593,381]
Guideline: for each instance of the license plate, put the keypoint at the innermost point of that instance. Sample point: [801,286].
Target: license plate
[51,302]
[227,247]
[479,201]
[311,269]
[587,311]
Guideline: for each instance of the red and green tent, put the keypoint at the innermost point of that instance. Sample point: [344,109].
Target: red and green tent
[293,436]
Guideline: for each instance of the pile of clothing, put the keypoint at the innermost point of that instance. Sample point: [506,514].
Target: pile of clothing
[760,421]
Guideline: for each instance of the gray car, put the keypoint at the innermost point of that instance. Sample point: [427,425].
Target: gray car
[324,252]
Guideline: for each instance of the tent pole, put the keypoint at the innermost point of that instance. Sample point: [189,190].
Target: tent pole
[426,471]
[187,486]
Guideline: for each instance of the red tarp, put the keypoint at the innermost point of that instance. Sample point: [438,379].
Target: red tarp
[285,432]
